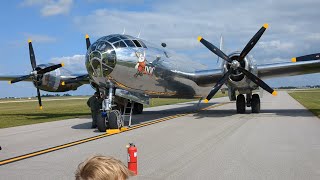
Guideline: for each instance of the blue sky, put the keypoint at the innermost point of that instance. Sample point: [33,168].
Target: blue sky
[58,27]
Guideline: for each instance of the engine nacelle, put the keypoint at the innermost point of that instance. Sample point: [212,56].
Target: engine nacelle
[237,80]
[51,81]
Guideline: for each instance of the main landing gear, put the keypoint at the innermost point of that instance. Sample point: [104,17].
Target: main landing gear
[253,101]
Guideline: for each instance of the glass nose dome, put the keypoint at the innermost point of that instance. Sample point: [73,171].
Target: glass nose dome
[100,59]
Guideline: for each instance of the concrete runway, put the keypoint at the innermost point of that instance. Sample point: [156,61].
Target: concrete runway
[282,142]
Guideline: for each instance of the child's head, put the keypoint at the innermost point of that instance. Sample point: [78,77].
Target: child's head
[102,168]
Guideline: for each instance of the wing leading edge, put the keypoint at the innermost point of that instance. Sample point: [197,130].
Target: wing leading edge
[202,78]
[11,77]
[288,69]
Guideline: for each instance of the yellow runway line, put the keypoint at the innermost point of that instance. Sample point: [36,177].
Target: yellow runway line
[55,148]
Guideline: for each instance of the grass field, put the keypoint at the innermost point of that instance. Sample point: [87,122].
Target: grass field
[309,99]
[17,113]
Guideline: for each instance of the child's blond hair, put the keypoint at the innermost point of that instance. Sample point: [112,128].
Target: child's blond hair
[101,168]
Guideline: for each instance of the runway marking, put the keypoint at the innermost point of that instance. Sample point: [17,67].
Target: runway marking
[55,148]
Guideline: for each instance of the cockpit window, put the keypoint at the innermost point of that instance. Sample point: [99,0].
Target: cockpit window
[95,54]
[103,46]
[137,43]
[123,37]
[93,46]
[129,43]
[119,44]
[109,58]
[114,39]
[143,45]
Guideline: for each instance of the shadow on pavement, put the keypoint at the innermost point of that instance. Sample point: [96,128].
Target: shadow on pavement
[86,125]
[150,115]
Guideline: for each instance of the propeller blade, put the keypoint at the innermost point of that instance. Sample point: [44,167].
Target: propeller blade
[214,49]
[50,68]
[306,57]
[19,79]
[39,98]
[216,87]
[88,41]
[258,81]
[38,94]
[252,42]
[32,56]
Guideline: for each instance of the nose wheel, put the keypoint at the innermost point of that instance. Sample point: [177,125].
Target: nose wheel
[115,120]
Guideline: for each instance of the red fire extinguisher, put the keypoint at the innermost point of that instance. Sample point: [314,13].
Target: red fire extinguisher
[132,158]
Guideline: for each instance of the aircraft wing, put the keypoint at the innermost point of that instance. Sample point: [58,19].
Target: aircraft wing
[79,78]
[202,77]
[11,77]
[288,69]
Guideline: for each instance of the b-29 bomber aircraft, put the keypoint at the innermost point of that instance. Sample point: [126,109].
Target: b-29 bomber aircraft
[129,70]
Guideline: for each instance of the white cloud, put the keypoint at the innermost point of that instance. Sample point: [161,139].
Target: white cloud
[75,63]
[178,23]
[313,37]
[50,7]
[276,45]
[39,38]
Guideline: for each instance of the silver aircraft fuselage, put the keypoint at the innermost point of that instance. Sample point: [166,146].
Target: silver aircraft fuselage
[153,70]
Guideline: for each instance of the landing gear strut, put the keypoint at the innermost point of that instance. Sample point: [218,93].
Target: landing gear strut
[109,118]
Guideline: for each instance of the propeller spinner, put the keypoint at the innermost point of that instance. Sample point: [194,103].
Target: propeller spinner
[36,72]
[235,65]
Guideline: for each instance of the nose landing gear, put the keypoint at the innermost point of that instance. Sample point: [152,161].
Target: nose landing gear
[109,118]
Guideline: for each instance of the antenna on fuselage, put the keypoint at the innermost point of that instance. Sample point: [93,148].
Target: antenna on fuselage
[124,30]
[139,33]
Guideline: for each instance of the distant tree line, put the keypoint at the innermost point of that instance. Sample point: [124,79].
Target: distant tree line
[55,95]
[301,87]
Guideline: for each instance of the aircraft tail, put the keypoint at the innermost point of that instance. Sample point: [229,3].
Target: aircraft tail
[221,48]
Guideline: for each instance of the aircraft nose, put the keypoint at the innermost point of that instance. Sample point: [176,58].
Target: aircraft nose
[100,59]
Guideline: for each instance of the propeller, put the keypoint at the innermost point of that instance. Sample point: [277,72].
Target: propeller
[306,57]
[235,64]
[88,43]
[219,84]
[36,72]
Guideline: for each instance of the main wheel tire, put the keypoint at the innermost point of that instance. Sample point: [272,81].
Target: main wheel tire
[241,104]
[137,108]
[101,123]
[113,121]
[255,103]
